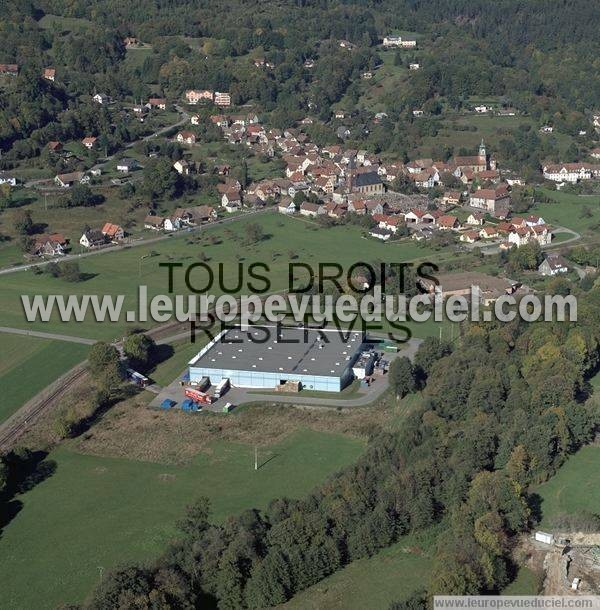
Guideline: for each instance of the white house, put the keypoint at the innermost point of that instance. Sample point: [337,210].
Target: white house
[222,99]
[382,234]
[310,209]
[194,96]
[231,200]
[182,167]
[396,41]
[100,98]
[475,219]
[553,264]
[126,165]
[186,137]
[92,239]
[495,201]
[523,235]
[7,179]
[287,208]
[172,224]
[568,172]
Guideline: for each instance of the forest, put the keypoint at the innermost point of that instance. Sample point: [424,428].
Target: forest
[541,58]
[502,407]
[467,458]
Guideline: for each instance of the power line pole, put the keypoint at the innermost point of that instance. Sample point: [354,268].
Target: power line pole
[255,457]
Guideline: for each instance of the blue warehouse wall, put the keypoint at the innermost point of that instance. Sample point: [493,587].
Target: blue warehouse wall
[258,379]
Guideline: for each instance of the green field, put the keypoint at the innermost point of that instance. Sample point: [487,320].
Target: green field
[63,23]
[526,583]
[136,56]
[183,352]
[575,212]
[29,364]
[390,575]
[95,513]
[119,272]
[466,131]
[575,487]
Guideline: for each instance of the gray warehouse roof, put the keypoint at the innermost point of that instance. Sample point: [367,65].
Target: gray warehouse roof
[285,350]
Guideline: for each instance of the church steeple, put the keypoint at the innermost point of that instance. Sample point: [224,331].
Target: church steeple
[482,152]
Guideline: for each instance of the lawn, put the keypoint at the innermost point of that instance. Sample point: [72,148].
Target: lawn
[70,222]
[29,364]
[10,255]
[136,56]
[95,513]
[173,366]
[575,487]
[374,583]
[120,272]
[577,212]
[526,583]
[64,24]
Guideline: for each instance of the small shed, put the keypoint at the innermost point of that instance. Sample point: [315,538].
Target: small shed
[544,537]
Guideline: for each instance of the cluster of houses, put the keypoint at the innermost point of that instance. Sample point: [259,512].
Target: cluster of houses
[572,172]
[181,218]
[95,238]
[347,180]
[218,98]
[423,224]
[517,231]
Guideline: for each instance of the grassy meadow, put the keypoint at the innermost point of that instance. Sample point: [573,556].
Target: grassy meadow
[29,364]
[285,240]
[390,575]
[94,512]
[575,487]
[577,212]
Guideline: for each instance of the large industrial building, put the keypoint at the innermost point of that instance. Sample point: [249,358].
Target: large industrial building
[268,356]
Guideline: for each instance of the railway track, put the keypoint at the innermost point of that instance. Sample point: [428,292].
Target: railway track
[13,430]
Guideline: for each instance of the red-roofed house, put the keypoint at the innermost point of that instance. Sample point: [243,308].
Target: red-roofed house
[113,232]
[495,201]
[89,142]
[469,237]
[448,223]
[186,137]
[50,245]
[488,232]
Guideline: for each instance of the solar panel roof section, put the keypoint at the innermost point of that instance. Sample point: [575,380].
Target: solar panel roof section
[297,350]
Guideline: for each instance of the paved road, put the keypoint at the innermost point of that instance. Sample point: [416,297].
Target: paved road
[132,244]
[574,237]
[493,248]
[41,335]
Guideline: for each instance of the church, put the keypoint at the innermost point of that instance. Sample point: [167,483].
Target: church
[478,163]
